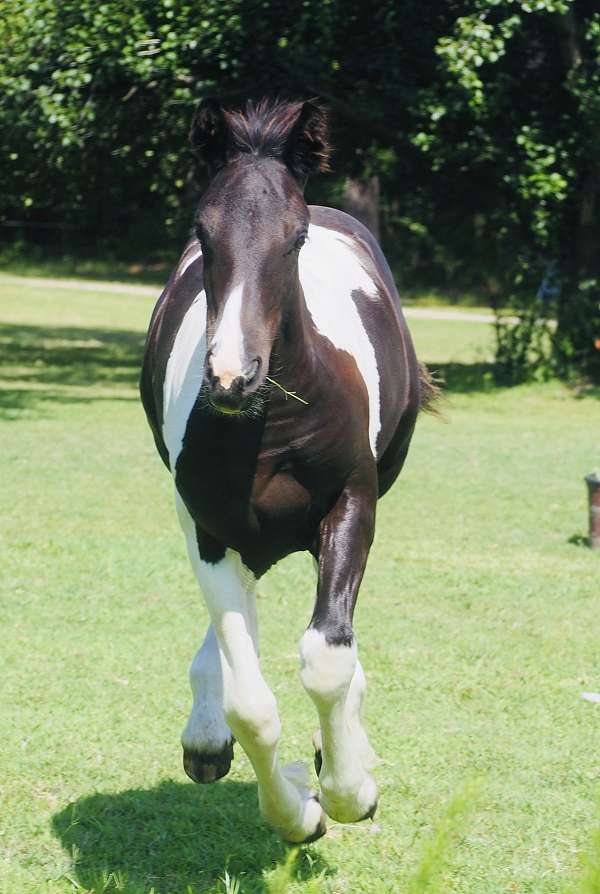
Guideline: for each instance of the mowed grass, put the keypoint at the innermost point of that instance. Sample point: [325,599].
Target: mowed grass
[478,624]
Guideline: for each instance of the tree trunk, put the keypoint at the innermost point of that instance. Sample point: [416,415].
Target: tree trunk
[361,200]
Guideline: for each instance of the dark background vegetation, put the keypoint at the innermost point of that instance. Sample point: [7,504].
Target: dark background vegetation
[467,133]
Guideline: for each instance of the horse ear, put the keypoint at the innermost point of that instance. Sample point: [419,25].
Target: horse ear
[209,134]
[307,149]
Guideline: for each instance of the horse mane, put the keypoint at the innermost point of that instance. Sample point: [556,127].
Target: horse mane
[263,129]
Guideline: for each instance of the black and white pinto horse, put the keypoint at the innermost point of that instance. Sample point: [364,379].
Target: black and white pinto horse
[282,389]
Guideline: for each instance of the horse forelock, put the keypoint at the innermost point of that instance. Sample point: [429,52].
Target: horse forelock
[264,128]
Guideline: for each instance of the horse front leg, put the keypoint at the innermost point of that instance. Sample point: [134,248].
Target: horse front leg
[330,670]
[206,739]
[226,672]
[285,798]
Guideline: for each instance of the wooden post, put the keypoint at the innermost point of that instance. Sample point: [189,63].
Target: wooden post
[593,483]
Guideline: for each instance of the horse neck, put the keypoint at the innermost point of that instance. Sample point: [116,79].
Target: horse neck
[294,343]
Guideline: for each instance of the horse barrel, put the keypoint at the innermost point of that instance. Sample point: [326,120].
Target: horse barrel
[593,483]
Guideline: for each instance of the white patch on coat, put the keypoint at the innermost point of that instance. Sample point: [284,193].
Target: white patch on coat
[183,376]
[330,271]
[227,347]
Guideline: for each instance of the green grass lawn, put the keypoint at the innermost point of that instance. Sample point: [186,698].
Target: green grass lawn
[478,624]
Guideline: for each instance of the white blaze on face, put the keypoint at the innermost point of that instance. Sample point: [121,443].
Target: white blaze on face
[228,344]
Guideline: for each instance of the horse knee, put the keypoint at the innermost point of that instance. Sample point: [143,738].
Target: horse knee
[326,669]
[254,719]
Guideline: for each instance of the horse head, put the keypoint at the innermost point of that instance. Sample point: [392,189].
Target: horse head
[251,222]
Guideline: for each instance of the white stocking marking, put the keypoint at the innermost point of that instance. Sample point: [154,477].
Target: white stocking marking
[206,730]
[250,710]
[334,679]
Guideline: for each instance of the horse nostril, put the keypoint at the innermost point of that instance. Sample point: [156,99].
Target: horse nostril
[209,375]
[237,386]
[251,371]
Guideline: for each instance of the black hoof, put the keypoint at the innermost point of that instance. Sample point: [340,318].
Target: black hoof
[370,812]
[205,768]
[318,760]
[319,831]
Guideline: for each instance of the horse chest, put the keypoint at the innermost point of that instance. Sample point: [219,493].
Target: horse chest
[239,492]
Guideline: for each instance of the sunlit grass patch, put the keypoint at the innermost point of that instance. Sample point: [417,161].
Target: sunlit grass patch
[477,626]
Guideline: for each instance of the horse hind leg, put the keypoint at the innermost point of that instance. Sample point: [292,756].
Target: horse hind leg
[207,740]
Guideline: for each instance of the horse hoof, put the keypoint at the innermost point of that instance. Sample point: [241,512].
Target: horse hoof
[370,812]
[318,833]
[208,767]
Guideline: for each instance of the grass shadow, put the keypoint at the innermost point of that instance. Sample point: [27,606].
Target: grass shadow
[42,362]
[486,377]
[586,391]
[579,540]
[467,378]
[174,838]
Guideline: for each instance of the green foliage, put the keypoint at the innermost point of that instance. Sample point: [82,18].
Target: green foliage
[481,119]
[589,881]
[100,97]
[522,89]
[428,877]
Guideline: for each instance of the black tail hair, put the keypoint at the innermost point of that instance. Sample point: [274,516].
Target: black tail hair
[430,389]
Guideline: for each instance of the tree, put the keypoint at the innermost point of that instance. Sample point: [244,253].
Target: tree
[479,122]
[515,128]
[98,102]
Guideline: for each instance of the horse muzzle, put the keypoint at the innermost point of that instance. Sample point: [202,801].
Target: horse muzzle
[230,392]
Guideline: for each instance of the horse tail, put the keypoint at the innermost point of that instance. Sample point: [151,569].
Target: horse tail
[430,388]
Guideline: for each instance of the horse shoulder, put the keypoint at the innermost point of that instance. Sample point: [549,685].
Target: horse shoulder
[361,278]
[334,280]
[174,347]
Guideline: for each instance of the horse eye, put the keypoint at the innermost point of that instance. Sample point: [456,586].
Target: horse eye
[203,240]
[300,241]
[200,231]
